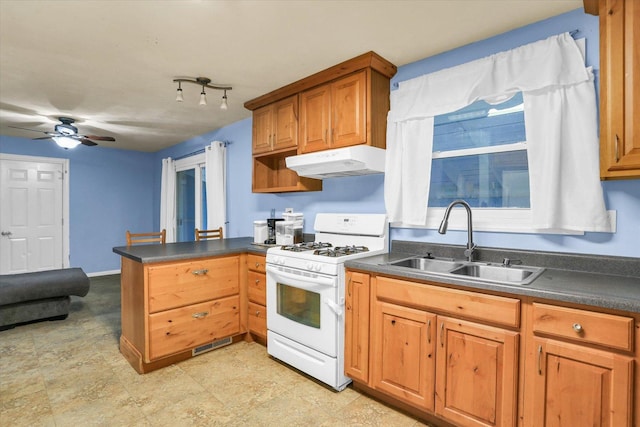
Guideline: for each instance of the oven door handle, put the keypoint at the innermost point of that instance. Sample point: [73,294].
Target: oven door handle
[297,279]
[333,306]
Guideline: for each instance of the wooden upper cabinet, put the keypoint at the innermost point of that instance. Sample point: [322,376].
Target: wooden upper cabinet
[275,126]
[335,115]
[619,88]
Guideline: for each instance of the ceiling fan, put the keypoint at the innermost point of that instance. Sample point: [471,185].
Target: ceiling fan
[66,135]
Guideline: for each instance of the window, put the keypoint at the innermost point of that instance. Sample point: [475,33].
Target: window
[479,155]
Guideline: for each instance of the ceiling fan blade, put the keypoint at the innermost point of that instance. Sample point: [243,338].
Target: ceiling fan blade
[87,142]
[101,138]
[43,137]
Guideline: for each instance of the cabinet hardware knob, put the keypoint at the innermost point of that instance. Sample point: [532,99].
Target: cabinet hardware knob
[429,331]
[257,281]
[578,328]
[617,148]
[257,312]
[539,360]
[200,272]
[257,264]
[200,315]
[442,334]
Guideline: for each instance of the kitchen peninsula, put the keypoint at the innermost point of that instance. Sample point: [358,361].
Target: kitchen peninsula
[181,299]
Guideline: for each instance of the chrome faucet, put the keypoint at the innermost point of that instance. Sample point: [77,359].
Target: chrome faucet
[445,222]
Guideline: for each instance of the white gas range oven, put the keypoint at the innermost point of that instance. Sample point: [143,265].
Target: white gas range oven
[306,291]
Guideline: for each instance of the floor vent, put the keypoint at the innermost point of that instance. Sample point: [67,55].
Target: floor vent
[211,346]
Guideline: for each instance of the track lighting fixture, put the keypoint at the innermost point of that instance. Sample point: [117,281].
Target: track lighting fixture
[205,83]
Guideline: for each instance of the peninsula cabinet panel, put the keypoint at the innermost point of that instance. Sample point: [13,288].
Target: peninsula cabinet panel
[183,328]
[619,88]
[579,386]
[477,371]
[356,353]
[179,284]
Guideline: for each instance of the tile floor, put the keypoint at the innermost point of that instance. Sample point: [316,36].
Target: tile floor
[70,373]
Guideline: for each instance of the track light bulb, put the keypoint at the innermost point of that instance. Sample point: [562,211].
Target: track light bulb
[179,97]
[224,105]
[203,97]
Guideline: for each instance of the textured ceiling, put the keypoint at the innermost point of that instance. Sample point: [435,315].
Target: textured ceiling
[110,64]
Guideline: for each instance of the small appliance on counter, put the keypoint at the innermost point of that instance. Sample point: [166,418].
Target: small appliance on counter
[260,231]
[271,230]
[289,231]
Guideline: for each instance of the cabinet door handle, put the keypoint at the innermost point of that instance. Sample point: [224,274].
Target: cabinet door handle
[349,286]
[539,360]
[617,148]
[429,331]
[200,315]
[578,328]
[200,272]
[442,334]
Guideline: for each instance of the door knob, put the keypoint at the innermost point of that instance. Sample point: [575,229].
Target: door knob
[6,233]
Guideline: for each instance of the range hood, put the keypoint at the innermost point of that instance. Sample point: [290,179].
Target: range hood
[347,161]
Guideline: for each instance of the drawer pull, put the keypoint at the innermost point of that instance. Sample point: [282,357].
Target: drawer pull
[257,264]
[257,312]
[200,272]
[257,281]
[442,334]
[578,328]
[200,315]
[429,331]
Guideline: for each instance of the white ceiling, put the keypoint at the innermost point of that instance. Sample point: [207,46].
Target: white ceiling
[110,64]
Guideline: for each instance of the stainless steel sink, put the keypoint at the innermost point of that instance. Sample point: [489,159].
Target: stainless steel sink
[498,273]
[430,265]
[506,274]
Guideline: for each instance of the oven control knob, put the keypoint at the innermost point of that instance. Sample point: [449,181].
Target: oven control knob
[309,266]
[317,267]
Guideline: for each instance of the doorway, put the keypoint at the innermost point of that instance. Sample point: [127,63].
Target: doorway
[34,231]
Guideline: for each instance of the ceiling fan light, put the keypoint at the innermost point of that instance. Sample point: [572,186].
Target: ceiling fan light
[203,98]
[66,142]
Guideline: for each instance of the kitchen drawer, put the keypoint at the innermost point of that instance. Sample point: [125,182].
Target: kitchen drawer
[256,262]
[183,328]
[472,305]
[258,319]
[257,288]
[181,284]
[584,326]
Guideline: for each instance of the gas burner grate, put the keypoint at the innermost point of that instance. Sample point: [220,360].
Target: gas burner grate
[341,251]
[305,246]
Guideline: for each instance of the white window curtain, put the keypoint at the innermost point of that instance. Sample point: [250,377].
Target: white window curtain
[215,162]
[168,199]
[554,67]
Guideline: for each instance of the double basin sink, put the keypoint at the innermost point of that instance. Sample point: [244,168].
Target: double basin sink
[486,272]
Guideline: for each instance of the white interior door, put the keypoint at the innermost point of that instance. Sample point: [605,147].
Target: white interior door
[33,236]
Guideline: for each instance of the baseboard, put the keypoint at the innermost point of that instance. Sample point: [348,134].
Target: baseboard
[103,273]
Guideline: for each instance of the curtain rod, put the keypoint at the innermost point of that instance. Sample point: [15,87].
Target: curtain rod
[200,151]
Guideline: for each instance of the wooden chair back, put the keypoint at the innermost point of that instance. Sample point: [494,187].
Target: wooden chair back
[209,234]
[154,237]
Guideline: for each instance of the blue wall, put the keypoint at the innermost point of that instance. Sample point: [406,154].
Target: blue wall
[113,190]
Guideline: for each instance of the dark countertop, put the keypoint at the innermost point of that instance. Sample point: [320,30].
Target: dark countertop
[189,250]
[599,281]
[605,290]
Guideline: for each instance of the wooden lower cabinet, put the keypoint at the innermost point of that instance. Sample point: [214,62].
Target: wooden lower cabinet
[580,386]
[257,295]
[466,358]
[356,353]
[477,373]
[403,353]
[171,308]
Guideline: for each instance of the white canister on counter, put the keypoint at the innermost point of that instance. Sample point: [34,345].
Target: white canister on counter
[260,232]
[284,233]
